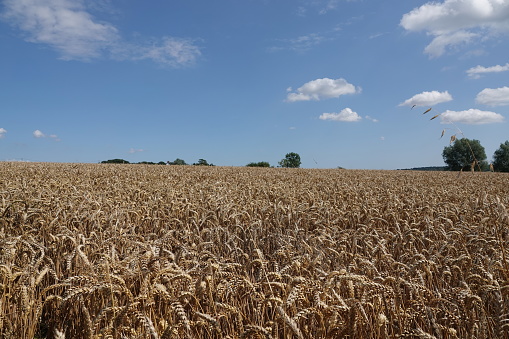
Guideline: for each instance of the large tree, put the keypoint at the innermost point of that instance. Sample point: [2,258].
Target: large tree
[501,158]
[463,154]
[291,160]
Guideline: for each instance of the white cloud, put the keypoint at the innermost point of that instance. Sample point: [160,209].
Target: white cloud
[63,24]
[322,89]
[475,71]
[438,46]
[134,150]
[331,5]
[493,96]
[471,117]
[38,134]
[301,43]
[70,29]
[170,51]
[452,22]
[371,119]
[427,99]
[2,132]
[346,115]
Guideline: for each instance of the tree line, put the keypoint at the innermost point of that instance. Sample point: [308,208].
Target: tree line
[291,160]
[201,162]
[463,154]
[466,154]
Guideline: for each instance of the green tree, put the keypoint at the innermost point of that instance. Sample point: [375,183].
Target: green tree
[291,160]
[463,154]
[258,164]
[115,161]
[202,162]
[177,162]
[501,158]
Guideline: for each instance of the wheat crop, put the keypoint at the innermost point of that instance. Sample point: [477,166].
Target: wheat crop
[139,251]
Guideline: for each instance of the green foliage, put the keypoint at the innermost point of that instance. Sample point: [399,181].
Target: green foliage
[202,162]
[115,161]
[177,162]
[291,160]
[258,164]
[463,153]
[501,158]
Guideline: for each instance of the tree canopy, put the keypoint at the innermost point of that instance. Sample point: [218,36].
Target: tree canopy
[115,161]
[202,162]
[501,158]
[177,162]
[465,154]
[258,164]
[291,160]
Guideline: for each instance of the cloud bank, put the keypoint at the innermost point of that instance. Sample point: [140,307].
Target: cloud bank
[427,99]
[471,117]
[320,89]
[68,27]
[455,22]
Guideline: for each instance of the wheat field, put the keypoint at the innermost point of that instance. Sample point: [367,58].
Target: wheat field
[140,251]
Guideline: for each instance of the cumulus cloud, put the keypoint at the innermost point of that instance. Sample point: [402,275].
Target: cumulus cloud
[38,134]
[69,28]
[2,132]
[427,99]
[346,115]
[135,150]
[475,72]
[320,89]
[453,22]
[471,117]
[493,96]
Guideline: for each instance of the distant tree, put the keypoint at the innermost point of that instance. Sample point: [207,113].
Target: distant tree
[202,162]
[177,162]
[146,163]
[501,158]
[161,163]
[291,160]
[463,154]
[115,161]
[258,164]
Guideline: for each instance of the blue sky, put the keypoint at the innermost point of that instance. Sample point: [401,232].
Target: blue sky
[342,83]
